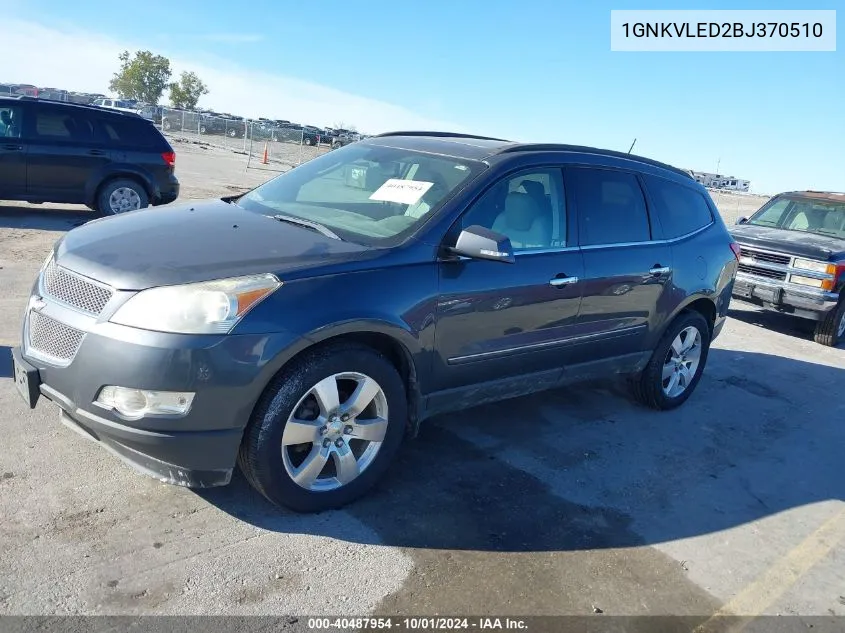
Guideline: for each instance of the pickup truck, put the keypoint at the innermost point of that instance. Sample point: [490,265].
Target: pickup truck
[792,260]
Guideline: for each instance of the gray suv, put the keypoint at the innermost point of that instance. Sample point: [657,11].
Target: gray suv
[303,329]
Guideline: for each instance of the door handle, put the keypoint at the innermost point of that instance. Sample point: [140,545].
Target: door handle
[660,270]
[96,152]
[563,281]
[13,148]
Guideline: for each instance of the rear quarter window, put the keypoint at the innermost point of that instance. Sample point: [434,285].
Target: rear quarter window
[679,209]
[128,133]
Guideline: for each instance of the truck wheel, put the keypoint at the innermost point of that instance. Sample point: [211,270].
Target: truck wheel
[676,365]
[307,141]
[166,125]
[120,196]
[831,329]
[326,429]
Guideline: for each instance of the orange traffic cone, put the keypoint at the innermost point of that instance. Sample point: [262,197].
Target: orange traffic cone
[264,160]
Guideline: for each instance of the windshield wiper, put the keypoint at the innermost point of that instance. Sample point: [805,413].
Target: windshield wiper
[314,226]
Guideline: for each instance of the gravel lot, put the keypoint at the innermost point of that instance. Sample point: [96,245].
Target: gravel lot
[555,504]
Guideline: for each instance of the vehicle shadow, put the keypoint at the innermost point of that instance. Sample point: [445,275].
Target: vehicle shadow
[782,323]
[5,361]
[585,468]
[43,218]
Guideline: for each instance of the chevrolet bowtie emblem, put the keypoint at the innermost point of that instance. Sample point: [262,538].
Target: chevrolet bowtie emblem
[36,303]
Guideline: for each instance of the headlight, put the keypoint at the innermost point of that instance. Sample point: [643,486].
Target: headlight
[818,267]
[209,307]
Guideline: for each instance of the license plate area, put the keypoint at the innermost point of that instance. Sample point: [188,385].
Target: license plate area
[27,379]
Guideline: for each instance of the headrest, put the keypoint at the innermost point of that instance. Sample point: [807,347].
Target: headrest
[520,211]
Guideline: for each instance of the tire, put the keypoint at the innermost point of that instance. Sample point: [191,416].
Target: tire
[271,471]
[648,386]
[104,198]
[166,125]
[831,330]
[307,141]
[232,133]
[202,129]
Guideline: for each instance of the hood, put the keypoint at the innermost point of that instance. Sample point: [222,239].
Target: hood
[196,241]
[799,243]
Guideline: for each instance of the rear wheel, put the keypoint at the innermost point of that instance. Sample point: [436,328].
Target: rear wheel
[166,125]
[676,364]
[120,196]
[326,429]
[831,330]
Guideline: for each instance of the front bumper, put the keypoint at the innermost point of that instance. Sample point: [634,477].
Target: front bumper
[198,449]
[784,297]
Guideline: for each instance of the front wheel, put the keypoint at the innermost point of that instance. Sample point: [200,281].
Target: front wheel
[676,364]
[831,330]
[326,429]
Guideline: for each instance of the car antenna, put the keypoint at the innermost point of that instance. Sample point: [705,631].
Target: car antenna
[632,146]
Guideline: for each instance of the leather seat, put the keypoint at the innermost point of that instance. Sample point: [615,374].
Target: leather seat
[524,221]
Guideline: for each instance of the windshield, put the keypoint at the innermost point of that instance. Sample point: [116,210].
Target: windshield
[825,217]
[368,194]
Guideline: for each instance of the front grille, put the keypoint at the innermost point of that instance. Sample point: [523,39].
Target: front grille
[762,256]
[768,273]
[74,290]
[53,339]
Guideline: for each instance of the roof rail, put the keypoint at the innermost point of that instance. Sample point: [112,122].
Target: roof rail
[73,104]
[558,147]
[440,135]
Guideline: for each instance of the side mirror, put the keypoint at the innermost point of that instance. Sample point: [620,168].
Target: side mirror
[478,242]
[741,220]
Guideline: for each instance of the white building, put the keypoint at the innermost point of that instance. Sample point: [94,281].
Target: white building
[720,181]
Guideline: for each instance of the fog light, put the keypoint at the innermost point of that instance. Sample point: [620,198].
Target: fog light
[136,403]
[806,281]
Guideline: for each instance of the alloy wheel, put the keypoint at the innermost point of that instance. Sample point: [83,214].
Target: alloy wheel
[335,431]
[681,362]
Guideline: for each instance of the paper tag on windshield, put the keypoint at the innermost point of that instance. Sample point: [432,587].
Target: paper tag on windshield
[401,191]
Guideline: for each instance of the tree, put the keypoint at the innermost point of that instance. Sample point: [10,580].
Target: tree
[142,77]
[185,93]
[344,126]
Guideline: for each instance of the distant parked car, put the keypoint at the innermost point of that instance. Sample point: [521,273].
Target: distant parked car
[121,105]
[793,260]
[110,160]
[151,112]
[293,133]
[344,139]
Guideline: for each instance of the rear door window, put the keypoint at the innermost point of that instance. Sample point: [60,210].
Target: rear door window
[611,206]
[127,132]
[679,209]
[63,125]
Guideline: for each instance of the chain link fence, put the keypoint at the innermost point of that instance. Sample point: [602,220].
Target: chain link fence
[261,141]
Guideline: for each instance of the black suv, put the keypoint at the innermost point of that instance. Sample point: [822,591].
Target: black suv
[111,161]
[304,328]
[792,259]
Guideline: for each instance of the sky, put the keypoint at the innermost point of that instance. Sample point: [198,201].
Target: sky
[533,70]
